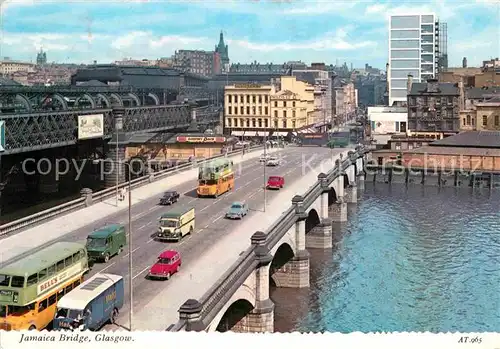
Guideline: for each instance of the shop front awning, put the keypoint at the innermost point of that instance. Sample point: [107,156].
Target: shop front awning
[237,133]
[307,130]
[280,134]
[250,134]
[262,134]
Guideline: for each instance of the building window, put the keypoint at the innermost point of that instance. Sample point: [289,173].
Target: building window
[276,104]
[260,122]
[473,121]
[497,120]
[464,122]
[260,99]
[468,120]
[266,123]
[253,122]
[241,99]
[410,145]
[248,98]
[275,113]
[397,126]
[485,120]
[266,110]
[260,110]
[284,113]
[229,109]
[242,110]
[284,104]
[228,122]
[275,123]
[254,110]
[398,145]
[235,110]
[265,99]
[293,104]
[254,99]
[248,110]
[284,123]
[293,124]
[293,113]
[229,99]
[248,122]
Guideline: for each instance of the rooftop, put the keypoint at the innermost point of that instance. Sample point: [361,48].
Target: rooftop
[168,254]
[454,151]
[471,139]
[105,232]
[444,88]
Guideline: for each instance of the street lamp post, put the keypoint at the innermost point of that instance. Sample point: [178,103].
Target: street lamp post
[118,117]
[131,296]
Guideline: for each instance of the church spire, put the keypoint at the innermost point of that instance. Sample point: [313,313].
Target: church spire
[221,39]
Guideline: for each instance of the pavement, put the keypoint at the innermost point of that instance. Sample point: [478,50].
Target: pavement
[19,244]
[216,244]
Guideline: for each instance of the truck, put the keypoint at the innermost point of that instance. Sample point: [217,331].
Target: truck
[92,304]
[176,224]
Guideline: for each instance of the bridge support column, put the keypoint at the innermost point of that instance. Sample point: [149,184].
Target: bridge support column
[261,318]
[361,181]
[322,179]
[113,165]
[338,210]
[321,235]
[351,193]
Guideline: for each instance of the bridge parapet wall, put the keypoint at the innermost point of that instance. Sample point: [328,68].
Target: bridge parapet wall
[260,262]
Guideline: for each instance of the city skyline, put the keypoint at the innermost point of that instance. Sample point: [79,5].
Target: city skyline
[255,31]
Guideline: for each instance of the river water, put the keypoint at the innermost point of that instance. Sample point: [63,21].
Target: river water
[409,259]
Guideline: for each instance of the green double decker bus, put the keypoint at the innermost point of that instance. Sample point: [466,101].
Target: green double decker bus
[31,286]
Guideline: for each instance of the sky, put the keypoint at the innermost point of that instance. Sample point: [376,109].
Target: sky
[256,30]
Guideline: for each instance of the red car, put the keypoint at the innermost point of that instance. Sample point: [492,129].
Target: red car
[168,263]
[275,182]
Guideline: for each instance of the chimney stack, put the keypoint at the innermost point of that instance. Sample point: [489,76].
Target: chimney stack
[461,91]
[409,83]
[464,62]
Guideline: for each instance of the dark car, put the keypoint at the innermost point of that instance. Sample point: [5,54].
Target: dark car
[169,198]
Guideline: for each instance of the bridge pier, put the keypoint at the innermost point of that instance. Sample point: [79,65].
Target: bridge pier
[338,211]
[361,181]
[321,235]
[261,318]
[113,164]
[325,189]
[351,193]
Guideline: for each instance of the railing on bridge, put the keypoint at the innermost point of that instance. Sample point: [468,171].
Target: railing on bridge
[219,294]
[37,218]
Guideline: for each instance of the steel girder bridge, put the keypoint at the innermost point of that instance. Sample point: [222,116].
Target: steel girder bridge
[47,117]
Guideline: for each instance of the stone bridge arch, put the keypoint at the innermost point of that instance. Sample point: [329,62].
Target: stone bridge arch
[312,220]
[233,316]
[332,197]
[279,275]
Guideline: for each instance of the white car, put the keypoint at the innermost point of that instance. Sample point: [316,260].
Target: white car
[264,158]
[272,161]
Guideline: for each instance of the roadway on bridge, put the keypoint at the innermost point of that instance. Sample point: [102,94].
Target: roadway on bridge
[212,227]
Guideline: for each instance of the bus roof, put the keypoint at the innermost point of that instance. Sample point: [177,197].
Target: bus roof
[82,295]
[176,212]
[106,231]
[41,259]
[217,163]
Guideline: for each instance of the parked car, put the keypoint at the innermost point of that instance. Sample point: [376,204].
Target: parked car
[275,182]
[238,210]
[167,264]
[264,158]
[169,198]
[273,161]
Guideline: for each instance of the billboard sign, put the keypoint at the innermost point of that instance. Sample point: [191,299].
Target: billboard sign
[90,126]
[200,139]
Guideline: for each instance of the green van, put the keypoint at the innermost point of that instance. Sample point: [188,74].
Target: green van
[106,242]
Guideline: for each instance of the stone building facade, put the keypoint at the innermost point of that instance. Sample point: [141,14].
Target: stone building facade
[433,107]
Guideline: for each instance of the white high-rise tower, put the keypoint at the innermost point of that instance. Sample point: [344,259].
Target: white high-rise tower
[413,50]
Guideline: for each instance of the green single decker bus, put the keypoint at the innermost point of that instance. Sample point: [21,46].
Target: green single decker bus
[31,286]
[215,177]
